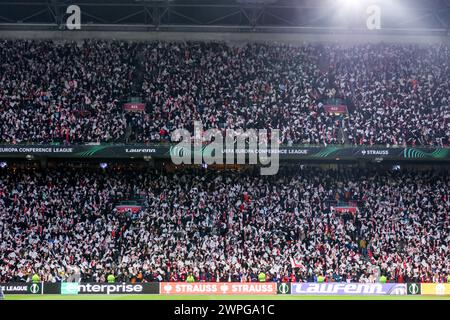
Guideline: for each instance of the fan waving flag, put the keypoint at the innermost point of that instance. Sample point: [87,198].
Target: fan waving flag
[295,263]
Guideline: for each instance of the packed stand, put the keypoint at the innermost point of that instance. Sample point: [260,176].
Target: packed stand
[255,86]
[400,94]
[228,226]
[396,94]
[63,92]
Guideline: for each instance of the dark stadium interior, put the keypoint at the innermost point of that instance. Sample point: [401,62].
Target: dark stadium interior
[233,15]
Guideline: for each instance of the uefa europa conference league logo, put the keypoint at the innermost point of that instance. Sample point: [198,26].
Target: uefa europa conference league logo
[236,140]
[21,288]
[413,288]
[35,288]
[283,288]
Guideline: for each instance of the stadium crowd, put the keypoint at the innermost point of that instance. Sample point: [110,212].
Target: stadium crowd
[397,94]
[227,226]
[63,92]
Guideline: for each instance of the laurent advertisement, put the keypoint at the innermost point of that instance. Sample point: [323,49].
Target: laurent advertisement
[219,288]
[337,288]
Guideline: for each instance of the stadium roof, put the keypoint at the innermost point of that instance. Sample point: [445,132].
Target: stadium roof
[226,15]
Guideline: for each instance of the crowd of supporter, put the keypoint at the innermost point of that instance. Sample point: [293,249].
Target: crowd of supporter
[225,226]
[229,87]
[63,92]
[401,93]
[397,94]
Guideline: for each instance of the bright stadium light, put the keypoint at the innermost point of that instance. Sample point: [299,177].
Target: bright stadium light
[3,164]
[103,165]
[349,3]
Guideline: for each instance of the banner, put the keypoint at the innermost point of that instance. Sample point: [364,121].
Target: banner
[435,288]
[338,109]
[125,208]
[134,107]
[341,288]
[218,288]
[80,288]
[165,151]
[21,288]
[51,287]
[117,288]
[344,209]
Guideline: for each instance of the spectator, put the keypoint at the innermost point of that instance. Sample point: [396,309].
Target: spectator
[51,221]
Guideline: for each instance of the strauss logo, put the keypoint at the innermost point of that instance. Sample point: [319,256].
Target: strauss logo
[167,288]
[224,288]
[440,288]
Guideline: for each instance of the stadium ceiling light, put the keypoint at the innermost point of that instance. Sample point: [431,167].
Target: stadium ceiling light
[349,3]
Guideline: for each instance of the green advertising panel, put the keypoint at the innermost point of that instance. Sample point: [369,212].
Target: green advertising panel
[69,288]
